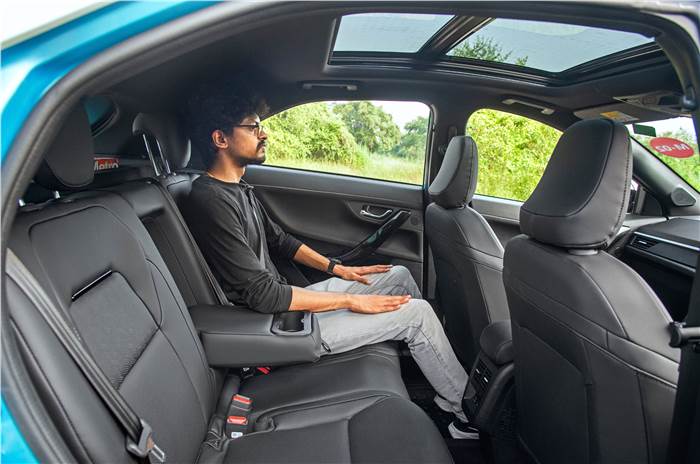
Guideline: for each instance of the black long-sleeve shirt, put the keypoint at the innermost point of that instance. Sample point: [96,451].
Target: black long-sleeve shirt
[229,223]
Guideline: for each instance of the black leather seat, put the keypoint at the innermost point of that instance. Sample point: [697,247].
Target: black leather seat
[595,376]
[468,256]
[136,325]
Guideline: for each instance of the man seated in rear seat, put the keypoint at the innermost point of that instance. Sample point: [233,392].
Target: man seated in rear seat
[359,306]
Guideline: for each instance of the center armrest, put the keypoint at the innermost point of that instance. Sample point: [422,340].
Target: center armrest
[496,342]
[238,337]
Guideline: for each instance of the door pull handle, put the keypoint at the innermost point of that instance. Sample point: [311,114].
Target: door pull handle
[366,213]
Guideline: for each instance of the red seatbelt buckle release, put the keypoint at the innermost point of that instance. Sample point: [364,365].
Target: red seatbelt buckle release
[236,426]
[236,420]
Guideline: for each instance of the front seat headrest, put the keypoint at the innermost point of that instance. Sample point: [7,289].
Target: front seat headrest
[69,162]
[581,200]
[172,140]
[455,182]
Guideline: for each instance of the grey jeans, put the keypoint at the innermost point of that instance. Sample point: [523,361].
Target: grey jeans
[415,323]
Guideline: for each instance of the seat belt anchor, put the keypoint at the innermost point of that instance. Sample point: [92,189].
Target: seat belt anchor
[146,447]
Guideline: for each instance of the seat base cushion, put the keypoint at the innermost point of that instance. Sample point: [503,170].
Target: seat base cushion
[379,429]
[364,372]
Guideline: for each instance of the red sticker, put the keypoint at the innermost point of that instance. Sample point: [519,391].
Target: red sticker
[672,147]
[103,163]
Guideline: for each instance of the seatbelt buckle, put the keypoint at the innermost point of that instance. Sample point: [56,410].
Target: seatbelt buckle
[146,447]
[247,372]
[236,426]
[242,403]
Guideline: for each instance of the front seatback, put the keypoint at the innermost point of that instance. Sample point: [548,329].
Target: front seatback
[96,261]
[595,377]
[468,256]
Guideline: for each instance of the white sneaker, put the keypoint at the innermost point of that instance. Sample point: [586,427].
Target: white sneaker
[462,431]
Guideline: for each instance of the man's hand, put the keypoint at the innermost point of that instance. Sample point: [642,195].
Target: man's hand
[374,304]
[357,273]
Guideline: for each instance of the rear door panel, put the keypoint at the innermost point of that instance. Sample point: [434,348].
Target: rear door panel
[324,211]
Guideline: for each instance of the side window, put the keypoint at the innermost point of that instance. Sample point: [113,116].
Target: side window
[513,152]
[375,139]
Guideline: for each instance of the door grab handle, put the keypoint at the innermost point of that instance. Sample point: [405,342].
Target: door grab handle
[365,212]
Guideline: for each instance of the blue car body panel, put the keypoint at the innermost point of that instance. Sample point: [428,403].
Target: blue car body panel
[30,68]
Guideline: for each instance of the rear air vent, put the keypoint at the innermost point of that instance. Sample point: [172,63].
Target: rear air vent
[482,376]
[643,243]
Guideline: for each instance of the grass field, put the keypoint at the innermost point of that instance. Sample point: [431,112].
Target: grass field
[376,166]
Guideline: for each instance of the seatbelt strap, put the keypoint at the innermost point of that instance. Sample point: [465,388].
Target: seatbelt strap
[139,435]
[683,443]
[213,283]
[258,224]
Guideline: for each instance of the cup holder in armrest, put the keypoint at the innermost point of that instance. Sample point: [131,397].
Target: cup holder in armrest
[292,323]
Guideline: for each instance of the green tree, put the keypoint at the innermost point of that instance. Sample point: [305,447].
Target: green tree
[371,126]
[312,132]
[413,140]
[513,152]
[483,48]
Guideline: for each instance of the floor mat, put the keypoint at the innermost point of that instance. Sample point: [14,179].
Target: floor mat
[421,393]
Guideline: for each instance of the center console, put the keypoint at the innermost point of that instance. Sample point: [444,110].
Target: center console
[489,399]
[238,337]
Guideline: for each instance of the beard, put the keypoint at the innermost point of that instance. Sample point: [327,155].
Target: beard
[245,161]
[254,161]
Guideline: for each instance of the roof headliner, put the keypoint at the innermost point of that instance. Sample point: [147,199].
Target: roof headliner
[287,51]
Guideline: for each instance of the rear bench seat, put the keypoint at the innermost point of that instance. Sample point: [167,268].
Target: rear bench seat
[135,323]
[369,370]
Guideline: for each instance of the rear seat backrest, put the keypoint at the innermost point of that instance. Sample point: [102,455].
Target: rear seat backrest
[99,264]
[158,216]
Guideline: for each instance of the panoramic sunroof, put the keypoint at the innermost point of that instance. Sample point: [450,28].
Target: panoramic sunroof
[387,32]
[546,46]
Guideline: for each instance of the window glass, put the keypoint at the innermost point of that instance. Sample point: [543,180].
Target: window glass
[99,111]
[375,139]
[513,152]
[674,142]
[542,45]
[387,32]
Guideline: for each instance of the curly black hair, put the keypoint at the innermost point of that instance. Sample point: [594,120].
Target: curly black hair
[219,105]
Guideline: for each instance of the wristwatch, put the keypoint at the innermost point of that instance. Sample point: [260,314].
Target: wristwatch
[331,265]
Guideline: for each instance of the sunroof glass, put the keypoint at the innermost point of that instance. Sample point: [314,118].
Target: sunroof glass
[387,32]
[547,46]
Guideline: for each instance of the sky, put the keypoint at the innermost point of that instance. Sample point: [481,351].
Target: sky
[20,16]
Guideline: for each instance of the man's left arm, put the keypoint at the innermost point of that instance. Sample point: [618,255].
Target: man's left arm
[287,245]
[308,257]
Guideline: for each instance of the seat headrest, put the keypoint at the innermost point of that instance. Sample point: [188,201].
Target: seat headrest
[455,182]
[172,140]
[69,162]
[581,200]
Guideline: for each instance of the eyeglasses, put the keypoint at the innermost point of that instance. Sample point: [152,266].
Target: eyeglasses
[257,128]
